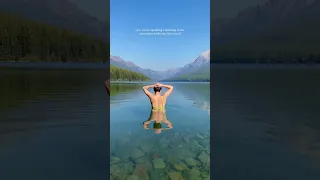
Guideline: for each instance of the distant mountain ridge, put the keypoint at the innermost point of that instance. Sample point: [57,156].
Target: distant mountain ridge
[276,31]
[258,20]
[60,13]
[202,61]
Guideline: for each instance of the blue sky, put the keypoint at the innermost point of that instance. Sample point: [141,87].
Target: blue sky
[159,52]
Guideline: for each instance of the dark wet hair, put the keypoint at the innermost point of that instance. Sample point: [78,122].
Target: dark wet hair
[156,125]
[157,89]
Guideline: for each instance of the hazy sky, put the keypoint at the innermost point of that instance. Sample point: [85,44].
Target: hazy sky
[159,52]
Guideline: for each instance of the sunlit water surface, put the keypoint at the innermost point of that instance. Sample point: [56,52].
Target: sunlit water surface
[53,124]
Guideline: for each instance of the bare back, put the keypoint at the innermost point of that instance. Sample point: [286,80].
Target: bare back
[158,102]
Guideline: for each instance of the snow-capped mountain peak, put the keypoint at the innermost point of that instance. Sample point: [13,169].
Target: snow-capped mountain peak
[203,57]
[205,54]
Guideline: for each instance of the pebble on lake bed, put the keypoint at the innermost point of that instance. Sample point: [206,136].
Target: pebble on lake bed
[204,158]
[141,171]
[133,177]
[175,176]
[136,153]
[158,164]
[194,174]
[179,166]
[191,162]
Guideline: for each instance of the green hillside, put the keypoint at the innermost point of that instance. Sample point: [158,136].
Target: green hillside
[120,74]
[202,74]
[26,40]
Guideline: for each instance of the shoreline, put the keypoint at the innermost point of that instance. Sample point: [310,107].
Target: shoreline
[53,65]
[263,65]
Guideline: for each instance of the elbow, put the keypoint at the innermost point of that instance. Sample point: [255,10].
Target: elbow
[145,87]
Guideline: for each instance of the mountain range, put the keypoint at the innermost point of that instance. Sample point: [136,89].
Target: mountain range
[263,19]
[277,25]
[201,63]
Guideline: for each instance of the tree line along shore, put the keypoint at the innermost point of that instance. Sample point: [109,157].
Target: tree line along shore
[119,74]
[23,40]
[26,40]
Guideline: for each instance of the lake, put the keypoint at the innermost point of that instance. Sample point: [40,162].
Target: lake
[265,123]
[54,124]
[139,152]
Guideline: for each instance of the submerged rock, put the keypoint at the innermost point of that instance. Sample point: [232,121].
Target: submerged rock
[174,155]
[132,177]
[141,171]
[141,160]
[119,177]
[205,174]
[155,175]
[175,176]
[185,139]
[187,153]
[193,174]
[128,167]
[202,136]
[175,145]
[114,160]
[158,164]
[164,146]
[136,153]
[164,178]
[115,169]
[179,166]
[191,162]
[204,158]
[204,143]
[146,147]
[122,153]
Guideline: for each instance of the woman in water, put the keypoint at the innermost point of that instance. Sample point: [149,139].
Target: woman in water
[158,103]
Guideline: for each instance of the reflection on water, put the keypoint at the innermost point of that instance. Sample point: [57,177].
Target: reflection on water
[265,123]
[53,124]
[158,118]
[180,151]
